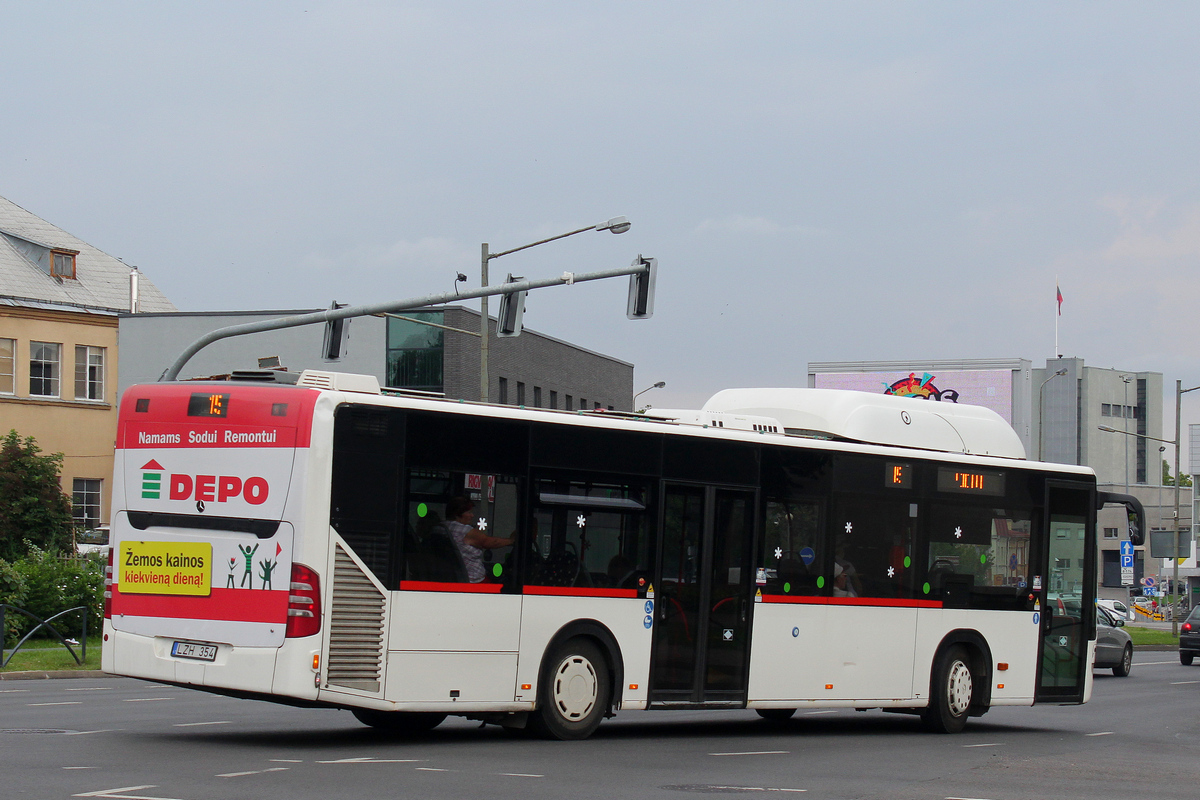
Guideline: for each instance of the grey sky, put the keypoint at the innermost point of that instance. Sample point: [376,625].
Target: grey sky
[838,181]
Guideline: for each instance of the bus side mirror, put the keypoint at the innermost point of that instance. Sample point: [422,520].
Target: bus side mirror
[1134,513]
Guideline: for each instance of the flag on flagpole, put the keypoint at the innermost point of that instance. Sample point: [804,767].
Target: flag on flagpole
[1058,291]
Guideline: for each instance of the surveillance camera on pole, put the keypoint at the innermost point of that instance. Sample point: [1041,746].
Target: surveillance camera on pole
[512,309]
[641,289]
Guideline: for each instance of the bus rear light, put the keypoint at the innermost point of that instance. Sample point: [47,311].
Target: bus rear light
[304,603]
[108,573]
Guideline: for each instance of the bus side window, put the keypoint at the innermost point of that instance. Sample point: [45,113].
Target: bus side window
[792,552]
[588,533]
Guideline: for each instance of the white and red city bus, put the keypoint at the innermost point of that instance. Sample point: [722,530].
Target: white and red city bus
[776,550]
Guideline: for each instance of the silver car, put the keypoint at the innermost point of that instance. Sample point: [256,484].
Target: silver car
[1113,645]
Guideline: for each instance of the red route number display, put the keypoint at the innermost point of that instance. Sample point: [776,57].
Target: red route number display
[963,481]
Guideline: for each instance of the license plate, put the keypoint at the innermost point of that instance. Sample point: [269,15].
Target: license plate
[200,652]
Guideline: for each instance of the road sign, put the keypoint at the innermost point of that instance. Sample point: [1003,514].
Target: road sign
[1126,548]
[1126,562]
[1148,581]
[1127,576]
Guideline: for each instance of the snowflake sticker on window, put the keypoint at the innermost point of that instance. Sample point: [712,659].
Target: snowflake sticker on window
[778,552]
[849,527]
[481,523]
[581,520]
[958,532]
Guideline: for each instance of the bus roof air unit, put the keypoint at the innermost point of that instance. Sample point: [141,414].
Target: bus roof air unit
[877,419]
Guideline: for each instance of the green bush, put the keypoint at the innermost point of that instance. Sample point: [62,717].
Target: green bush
[53,584]
[12,592]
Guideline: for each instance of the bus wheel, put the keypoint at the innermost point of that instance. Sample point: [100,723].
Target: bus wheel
[1122,670]
[775,714]
[574,692]
[950,693]
[405,723]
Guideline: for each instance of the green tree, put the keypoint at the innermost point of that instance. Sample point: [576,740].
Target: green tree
[1168,480]
[32,504]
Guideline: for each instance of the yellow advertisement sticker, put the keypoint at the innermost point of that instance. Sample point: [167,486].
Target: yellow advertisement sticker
[165,568]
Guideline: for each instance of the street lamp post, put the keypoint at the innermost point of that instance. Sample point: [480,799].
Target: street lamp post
[657,385]
[616,225]
[1042,415]
[1179,393]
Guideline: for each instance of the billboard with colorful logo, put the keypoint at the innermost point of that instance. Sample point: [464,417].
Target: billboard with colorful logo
[988,388]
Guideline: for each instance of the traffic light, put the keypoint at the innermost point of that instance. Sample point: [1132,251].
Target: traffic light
[512,309]
[336,332]
[641,289]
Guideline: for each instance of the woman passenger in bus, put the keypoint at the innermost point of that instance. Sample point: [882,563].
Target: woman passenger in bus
[470,541]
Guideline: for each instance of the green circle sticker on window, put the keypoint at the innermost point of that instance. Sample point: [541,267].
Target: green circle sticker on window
[907,562]
[422,510]
[926,588]
[820,581]
[497,569]
[787,587]
[983,559]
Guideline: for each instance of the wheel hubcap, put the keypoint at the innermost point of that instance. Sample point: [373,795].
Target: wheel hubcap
[575,688]
[959,689]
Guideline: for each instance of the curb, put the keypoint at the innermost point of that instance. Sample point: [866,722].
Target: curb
[36,674]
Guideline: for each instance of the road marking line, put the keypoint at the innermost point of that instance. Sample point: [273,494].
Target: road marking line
[376,761]
[145,699]
[431,769]
[253,772]
[966,798]
[111,793]
[1153,663]
[194,724]
[758,789]
[1102,733]
[987,744]
[91,689]
[1182,683]
[85,733]
[63,703]
[755,753]
[81,768]
[289,760]
[8,691]
[520,775]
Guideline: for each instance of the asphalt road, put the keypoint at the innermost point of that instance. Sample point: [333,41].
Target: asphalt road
[119,738]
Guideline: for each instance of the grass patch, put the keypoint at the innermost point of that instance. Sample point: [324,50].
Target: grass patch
[1147,636]
[49,654]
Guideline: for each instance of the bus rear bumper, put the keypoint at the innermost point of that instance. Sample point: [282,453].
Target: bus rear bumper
[250,669]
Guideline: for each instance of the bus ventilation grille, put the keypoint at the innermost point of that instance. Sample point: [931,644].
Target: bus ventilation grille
[355,628]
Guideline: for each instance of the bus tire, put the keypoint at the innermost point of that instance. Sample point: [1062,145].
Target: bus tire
[574,692]
[1122,670]
[950,692]
[775,714]
[404,723]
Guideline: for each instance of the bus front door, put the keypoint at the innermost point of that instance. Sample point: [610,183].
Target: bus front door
[702,601]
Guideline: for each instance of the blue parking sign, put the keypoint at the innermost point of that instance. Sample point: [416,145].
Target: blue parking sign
[1127,548]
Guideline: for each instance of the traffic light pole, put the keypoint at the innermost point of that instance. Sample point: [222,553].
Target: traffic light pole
[640,266]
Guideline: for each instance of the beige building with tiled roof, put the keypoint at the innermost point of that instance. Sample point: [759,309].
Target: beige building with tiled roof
[59,301]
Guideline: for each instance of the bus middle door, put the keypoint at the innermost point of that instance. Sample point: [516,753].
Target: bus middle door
[702,603]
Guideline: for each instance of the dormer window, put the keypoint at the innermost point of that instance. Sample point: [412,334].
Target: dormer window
[62,263]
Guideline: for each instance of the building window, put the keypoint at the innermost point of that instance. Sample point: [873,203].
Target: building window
[415,351]
[553,399]
[569,405]
[89,372]
[85,500]
[520,393]
[583,406]
[503,395]
[1110,533]
[537,397]
[62,263]
[8,366]
[44,369]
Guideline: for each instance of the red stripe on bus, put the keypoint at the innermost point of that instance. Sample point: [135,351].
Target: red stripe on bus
[577,591]
[227,605]
[439,586]
[886,602]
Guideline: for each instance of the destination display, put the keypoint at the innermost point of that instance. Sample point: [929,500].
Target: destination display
[963,481]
